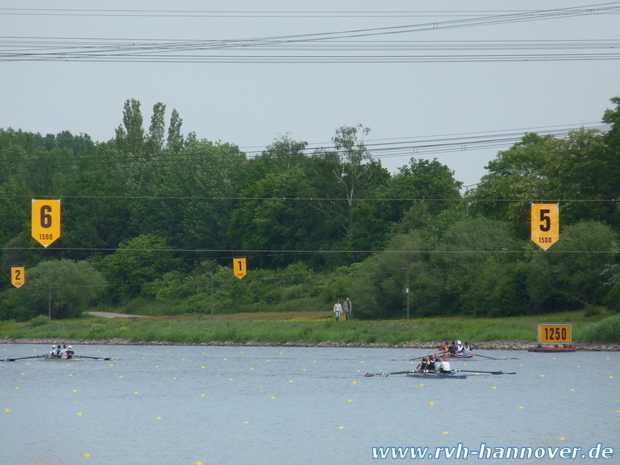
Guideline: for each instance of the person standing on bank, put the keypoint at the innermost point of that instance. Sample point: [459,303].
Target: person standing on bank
[348,307]
[338,310]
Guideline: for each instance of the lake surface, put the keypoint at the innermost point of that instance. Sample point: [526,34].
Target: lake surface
[179,405]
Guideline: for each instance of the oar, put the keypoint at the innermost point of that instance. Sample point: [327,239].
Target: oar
[493,358]
[491,372]
[22,358]
[385,375]
[86,356]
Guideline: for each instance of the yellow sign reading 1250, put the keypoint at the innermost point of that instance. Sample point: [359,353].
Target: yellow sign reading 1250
[45,221]
[558,334]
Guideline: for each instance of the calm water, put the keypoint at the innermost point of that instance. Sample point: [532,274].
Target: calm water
[238,405]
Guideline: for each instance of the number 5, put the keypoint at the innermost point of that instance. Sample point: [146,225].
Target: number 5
[544,216]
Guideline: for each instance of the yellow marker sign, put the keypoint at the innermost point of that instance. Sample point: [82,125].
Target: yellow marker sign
[18,276]
[556,334]
[240,267]
[545,224]
[45,221]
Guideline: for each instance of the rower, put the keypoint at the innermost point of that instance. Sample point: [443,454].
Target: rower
[70,352]
[423,365]
[466,349]
[53,351]
[437,364]
[459,347]
[453,349]
[444,366]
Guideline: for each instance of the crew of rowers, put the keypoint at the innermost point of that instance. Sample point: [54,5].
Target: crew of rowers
[62,351]
[456,348]
[441,364]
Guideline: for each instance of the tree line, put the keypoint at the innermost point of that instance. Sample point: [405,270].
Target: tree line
[148,214]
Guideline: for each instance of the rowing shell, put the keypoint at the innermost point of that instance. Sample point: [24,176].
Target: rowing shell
[55,359]
[436,374]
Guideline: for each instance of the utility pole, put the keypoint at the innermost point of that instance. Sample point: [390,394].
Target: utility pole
[211,273]
[406,268]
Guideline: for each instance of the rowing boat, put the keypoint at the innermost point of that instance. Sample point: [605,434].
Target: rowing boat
[56,359]
[436,374]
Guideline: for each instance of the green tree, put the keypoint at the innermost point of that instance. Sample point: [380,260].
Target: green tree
[74,285]
[568,275]
[137,262]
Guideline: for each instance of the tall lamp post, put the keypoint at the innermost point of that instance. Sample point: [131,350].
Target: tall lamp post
[406,268]
[211,273]
[49,297]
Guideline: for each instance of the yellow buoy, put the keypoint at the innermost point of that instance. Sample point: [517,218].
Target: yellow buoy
[444,432]
[611,377]
[241,352]
[203,367]
[560,438]
[86,455]
[431,403]
[349,400]
[111,364]
[361,361]
[79,414]
[542,376]
[158,418]
[251,368]
[421,385]
[341,427]
[272,397]
[174,377]
[521,406]
[135,392]
[571,389]
[16,388]
[75,390]
[290,380]
[493,387]
[70,375]
[197,463]
[202,395]
[353,382]
[8,410]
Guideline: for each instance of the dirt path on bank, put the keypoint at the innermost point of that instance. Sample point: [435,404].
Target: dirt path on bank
[114,315]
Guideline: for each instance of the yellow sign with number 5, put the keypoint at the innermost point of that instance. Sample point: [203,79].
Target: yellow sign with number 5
[45,221]
[545,224]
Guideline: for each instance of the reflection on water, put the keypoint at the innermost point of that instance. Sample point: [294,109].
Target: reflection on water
[249,405]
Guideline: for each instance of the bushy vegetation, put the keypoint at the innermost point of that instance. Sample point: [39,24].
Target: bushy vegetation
[149,221]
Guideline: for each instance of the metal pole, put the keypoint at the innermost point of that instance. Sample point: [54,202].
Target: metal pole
[211,273]
[407,294]
[49,297]
[406,268]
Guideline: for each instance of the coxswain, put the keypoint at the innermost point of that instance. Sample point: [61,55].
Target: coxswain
[445,366]
[445,348]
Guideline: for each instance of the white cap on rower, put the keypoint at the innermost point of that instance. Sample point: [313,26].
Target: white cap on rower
[458,342]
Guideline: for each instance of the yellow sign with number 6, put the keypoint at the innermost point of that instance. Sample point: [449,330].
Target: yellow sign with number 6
[545,224]
[45,221]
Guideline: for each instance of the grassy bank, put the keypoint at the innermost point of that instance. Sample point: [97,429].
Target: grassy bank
[306,328]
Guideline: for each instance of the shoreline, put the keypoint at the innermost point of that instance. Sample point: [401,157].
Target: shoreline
[433,345]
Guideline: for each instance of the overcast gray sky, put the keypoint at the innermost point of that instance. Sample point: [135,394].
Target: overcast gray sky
[416,73]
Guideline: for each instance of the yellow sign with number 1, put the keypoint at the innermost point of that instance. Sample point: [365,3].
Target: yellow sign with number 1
[45,221]
[545,224]
[240,267]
